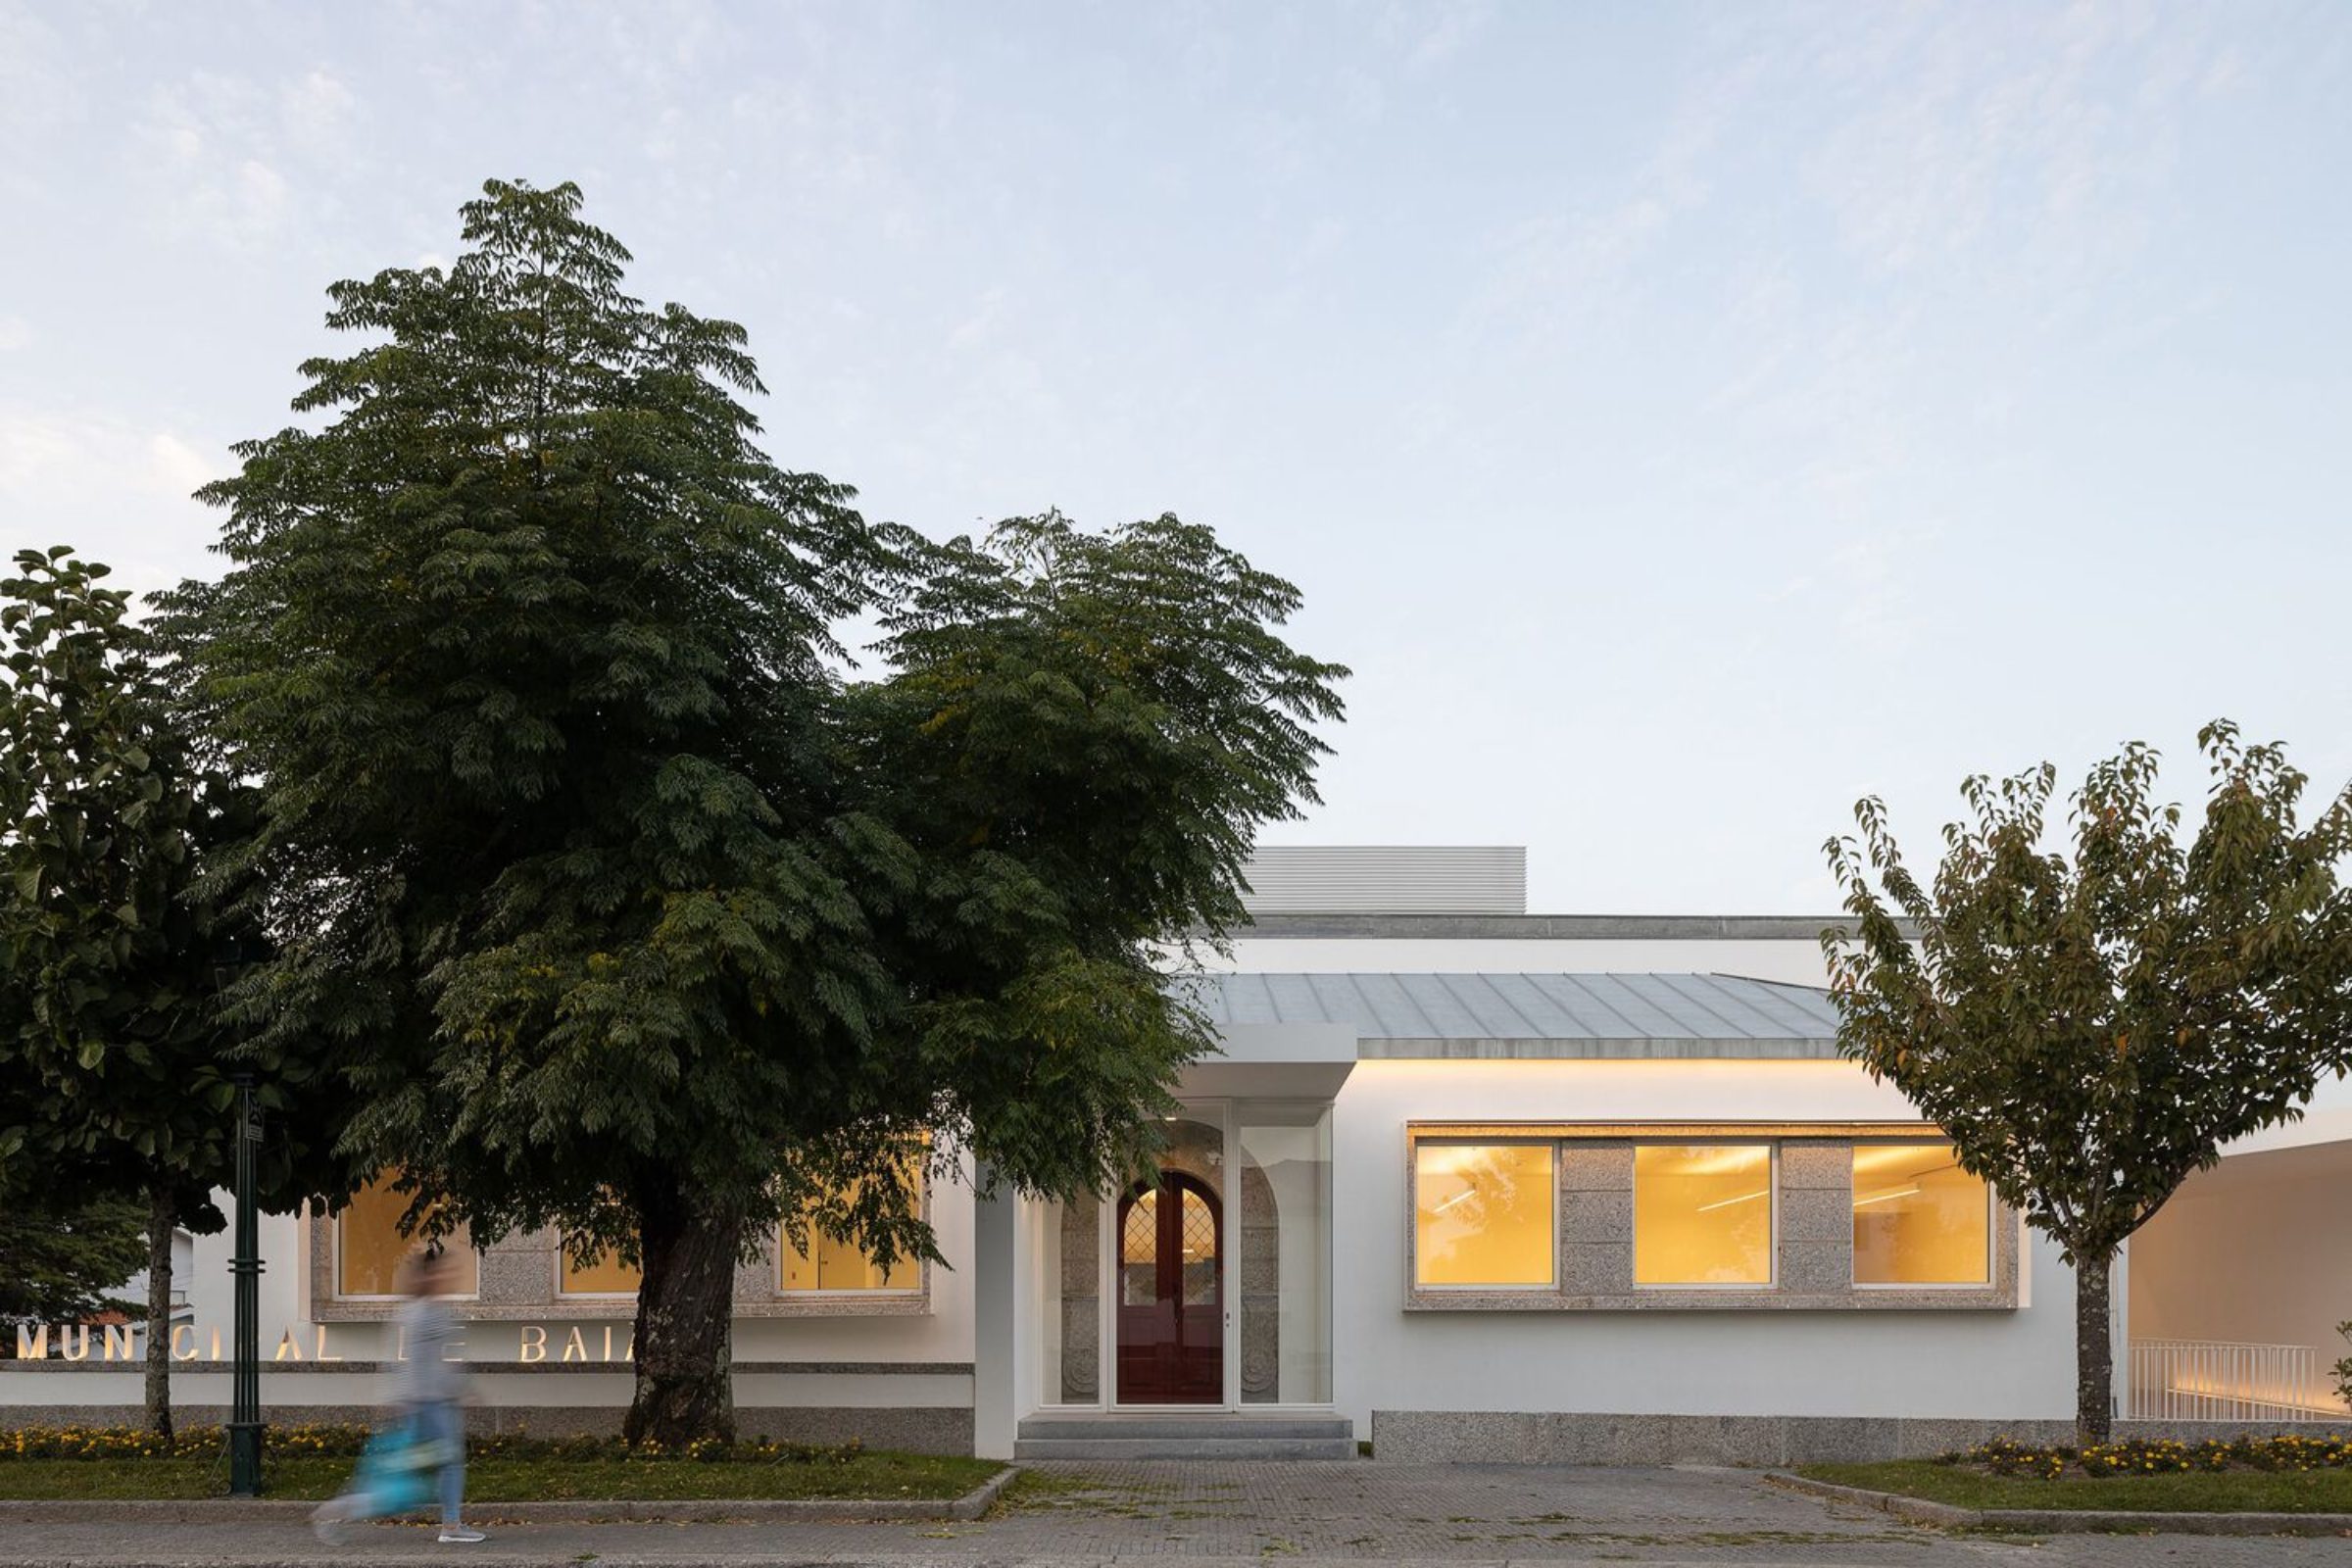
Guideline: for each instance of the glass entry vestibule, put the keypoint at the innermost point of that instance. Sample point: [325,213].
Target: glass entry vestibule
[1206,1281]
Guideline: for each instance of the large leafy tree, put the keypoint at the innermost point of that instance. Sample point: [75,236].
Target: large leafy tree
[639,918]
[2090,1027]
[114,948]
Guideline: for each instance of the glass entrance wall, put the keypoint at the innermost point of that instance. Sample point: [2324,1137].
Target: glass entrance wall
[1174,1252]
[1285,1268]
[1225,1300]
[1072,1301]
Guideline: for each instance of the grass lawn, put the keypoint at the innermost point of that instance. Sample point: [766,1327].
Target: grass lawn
[2229,1491]
[867,1477]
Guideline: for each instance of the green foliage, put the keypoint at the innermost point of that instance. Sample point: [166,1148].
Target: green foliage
[630,914]
[64,1254]
[527,643]
[111,1037]
[2235,1490]
[1078,739]
[2091,1030]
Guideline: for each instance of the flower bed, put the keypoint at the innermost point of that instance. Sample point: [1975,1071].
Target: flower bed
[2283,1453]
[327,1441]
[314,1460]
[2283,1474]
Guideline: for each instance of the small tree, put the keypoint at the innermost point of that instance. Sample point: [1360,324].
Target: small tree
[113,952]
[67,1246]
[2091,1030]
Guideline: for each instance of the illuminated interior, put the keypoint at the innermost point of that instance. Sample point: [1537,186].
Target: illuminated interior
[1702,1214]
[608,1275]
[842,1267]
[370,1248]
[1919,1218]
[1483,1214]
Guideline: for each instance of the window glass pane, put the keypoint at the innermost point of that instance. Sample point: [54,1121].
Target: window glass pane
[606,1275]
[842,1265]
[1139,1252]
[370,1248]
[1285,1274]
[1481,1213]
[1919,1218]
[1702,1214]
[1073,1315]
[1198,1240]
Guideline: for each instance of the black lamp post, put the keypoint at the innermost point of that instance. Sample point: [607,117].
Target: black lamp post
[245,1265]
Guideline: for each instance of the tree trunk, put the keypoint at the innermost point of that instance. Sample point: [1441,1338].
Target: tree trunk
[2095,1352]
[163,1215]
[685,1325]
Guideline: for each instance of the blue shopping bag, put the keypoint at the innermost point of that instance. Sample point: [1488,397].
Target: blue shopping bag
[396,1470]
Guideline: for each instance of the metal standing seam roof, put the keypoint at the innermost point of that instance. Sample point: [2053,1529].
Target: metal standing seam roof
[1536,1015]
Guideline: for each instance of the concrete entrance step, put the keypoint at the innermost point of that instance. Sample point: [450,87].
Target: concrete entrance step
[1162,1436]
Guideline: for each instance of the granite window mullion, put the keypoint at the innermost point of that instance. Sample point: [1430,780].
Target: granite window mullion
[1815,1242]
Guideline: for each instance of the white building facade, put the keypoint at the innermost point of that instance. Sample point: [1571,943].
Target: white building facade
[1462,1181]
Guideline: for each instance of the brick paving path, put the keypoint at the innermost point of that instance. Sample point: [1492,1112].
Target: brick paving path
[1223,1515]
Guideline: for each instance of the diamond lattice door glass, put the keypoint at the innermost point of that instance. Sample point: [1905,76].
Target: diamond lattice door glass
[1171,1231]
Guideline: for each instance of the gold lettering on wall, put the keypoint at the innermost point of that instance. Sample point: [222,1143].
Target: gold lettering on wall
[197,1342]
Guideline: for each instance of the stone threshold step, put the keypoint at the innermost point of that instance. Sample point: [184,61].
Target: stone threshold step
[1115,1428]
[1111,1449]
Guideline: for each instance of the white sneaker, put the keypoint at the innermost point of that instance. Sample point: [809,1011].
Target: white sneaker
[460,1533]
[329,1521]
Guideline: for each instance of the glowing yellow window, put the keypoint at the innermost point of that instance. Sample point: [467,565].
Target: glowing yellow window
[842,1265]
[1702,1214]
[1483,1214]
[1919,1218]
[370,1248]
[604,1275]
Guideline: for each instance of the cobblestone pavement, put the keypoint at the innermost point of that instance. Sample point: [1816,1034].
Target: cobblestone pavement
[1218,1514]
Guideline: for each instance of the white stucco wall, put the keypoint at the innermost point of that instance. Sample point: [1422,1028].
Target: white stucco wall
[2257,1251]
[1999,1365]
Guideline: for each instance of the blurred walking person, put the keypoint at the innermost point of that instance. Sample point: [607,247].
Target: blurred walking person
[421,1451]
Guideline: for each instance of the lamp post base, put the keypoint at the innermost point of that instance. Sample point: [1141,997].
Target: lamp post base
[244,1458]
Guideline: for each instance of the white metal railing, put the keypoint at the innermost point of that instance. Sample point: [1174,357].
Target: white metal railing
[2211,1380]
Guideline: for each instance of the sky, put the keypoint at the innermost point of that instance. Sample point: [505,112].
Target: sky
[1683,419]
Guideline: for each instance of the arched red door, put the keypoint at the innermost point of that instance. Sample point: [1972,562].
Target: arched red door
[1172,1294]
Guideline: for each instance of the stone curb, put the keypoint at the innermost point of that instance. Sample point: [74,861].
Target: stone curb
[636,1511]
[425,1553]
[2070,1521]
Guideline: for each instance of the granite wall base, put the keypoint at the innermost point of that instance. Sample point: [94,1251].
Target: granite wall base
[1557,1437]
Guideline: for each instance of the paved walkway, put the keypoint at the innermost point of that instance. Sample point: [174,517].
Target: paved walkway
[1213,1514]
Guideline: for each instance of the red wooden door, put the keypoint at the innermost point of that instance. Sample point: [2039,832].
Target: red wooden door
[1172,1294]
